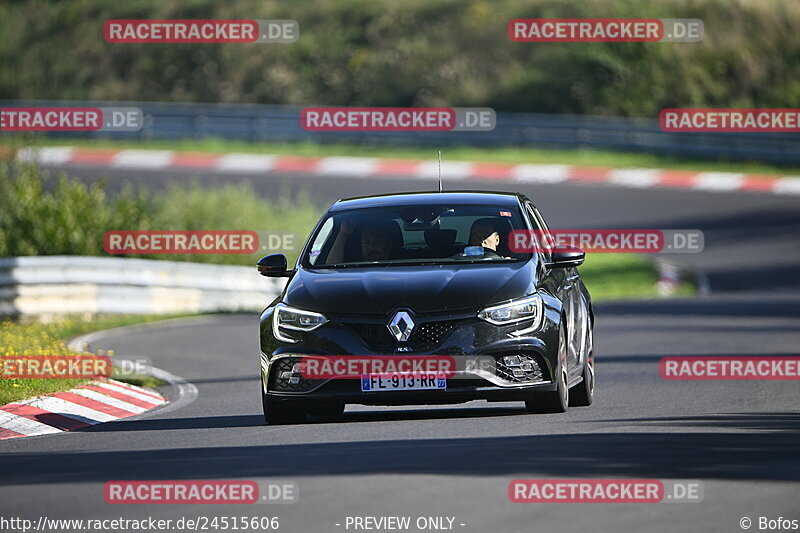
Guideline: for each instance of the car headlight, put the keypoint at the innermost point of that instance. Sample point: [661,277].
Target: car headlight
[289,318]
[528,308]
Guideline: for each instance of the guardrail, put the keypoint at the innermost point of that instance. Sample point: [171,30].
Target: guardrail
[49,286]
[282,124]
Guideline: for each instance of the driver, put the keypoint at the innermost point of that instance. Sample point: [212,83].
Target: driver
[376,243]
[484,234]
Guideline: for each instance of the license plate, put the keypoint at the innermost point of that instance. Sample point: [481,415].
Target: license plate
[390,382]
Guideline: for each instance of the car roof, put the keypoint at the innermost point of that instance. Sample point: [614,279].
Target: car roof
[509,199]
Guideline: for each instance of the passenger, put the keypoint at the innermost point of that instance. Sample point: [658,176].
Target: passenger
[484,234]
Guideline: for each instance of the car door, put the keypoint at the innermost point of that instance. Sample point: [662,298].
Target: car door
[566,283]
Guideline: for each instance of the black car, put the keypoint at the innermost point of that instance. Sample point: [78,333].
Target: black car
[427,275]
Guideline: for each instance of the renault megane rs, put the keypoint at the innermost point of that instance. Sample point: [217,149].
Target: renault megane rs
[423,277]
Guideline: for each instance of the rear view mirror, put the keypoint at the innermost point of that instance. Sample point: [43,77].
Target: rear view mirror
[569,259]
[274,266]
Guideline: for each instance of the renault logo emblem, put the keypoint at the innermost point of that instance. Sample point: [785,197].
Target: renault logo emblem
[401,326]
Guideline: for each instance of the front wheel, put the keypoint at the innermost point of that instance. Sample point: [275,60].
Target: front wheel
[555,401]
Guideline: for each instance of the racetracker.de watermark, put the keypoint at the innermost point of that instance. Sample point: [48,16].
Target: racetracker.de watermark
[356,366]
[730,120]
[621,241]
[152,242]
[605,30]
[410,369]
[605,491]
[730,368]
[55,366]
[150,31]
[200,492]
[71,119]
[398,119]
[86,366]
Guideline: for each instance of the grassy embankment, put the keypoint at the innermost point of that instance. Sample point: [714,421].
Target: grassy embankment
[51,339]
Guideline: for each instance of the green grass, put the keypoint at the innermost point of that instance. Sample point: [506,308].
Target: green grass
[623,276]
[51,339]
[584,157]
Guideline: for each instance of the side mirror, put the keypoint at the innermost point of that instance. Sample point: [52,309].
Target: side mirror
[274,266]
[569,259]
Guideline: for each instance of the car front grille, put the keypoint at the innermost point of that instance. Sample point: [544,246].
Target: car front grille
[424,337]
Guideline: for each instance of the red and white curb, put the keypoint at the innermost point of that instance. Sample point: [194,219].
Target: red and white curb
[98,401]
[363,167]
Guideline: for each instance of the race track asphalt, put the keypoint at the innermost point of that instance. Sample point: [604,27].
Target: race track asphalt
[741,439]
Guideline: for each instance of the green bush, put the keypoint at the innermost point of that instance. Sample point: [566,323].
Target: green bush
[41,216]
[44,215]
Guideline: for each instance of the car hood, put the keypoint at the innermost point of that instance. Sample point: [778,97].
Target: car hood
[427,289]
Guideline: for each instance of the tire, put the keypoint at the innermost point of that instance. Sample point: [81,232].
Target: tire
[555,401]
[280,412]
[582,394]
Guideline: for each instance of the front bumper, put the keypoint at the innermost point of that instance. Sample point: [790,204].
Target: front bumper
[479,384]
[470,338]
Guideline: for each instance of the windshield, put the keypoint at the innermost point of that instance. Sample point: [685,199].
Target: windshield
[419,234]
